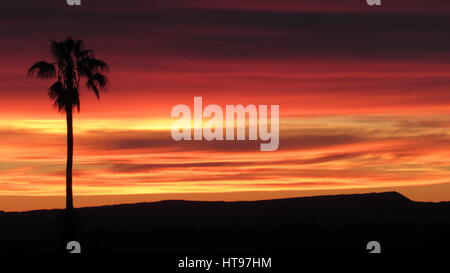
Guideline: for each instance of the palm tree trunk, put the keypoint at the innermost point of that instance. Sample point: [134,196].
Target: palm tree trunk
[69,195]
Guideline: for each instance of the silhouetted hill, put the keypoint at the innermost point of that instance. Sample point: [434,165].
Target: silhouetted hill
[338,223]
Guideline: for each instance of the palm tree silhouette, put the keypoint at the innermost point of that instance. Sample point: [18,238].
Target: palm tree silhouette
[71,63]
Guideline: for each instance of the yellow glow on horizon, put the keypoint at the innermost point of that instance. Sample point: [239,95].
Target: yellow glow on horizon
[120,156]
[58,126]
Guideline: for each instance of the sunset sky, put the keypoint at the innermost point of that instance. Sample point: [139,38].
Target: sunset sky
[364,95]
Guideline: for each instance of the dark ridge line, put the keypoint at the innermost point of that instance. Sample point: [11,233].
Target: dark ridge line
[379,196]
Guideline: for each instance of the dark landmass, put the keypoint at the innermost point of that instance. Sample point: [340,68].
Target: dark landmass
[323,224]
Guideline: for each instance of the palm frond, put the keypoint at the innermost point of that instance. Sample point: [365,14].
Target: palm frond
[101,80]
[99,65]
[78,46]
[62,98]
[85,53]
[97,82]
[69,44]
[90,84]
[58,51]
[58,95]
[42,70]
[91,66]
